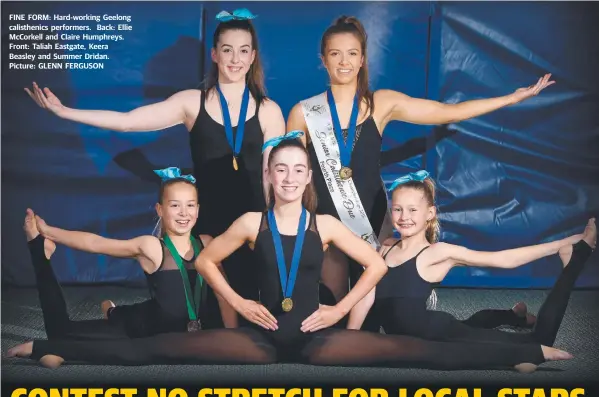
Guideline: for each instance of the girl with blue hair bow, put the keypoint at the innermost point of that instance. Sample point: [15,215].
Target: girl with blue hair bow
[417,262]
[289,324]
[228,122]
[166,260]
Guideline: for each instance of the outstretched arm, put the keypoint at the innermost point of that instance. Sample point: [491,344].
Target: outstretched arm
[140,248]
[152,117]
[455,255]
[243,230]
[401,107]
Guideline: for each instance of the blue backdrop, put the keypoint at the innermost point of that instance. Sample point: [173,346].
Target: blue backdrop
[522,175]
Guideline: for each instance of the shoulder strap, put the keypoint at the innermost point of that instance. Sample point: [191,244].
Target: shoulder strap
[389,250]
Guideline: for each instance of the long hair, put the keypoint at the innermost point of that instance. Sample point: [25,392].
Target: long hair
[255,76]
[345,24]
[309,199]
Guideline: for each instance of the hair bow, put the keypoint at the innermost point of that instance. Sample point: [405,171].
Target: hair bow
[240,14]
[173,173]
[417,176]
[276,140]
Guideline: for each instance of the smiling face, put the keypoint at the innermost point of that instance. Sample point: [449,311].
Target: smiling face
[411,211]
[233,55]
[178,208]
[343,58]
[289,174]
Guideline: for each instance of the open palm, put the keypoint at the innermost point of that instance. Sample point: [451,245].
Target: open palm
[45,99]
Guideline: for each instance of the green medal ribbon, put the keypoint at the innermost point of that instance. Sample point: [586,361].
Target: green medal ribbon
[193,306]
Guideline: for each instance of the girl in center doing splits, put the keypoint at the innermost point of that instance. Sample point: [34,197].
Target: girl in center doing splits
[289,324]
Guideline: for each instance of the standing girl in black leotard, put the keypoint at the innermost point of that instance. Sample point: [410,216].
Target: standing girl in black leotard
[289,322]
[358,118]
[228,122]
[175,286]
[417,262]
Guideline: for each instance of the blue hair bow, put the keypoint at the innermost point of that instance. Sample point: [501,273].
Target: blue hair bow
[417,176]
[276,140]
[173,173]
[240,14]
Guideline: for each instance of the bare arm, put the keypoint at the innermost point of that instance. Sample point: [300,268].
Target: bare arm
[152,117]
[360,251]
[228,314]
[273,125]
[401,107]
[146,249]
[455,255]
[244,229]
[358,314]
[296,121]
[333,231]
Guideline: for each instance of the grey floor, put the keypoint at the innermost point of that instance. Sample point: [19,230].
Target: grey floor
[22,320]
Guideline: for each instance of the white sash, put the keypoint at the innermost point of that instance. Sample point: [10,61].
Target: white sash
[343,192]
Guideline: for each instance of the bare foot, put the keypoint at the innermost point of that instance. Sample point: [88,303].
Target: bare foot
[31,231]
[23,350]
[526,368]
[105,306]
[590,234]
[553,354]
[521,310]
[51,361]
[549,353]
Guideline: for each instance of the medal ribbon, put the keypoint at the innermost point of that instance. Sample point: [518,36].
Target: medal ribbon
[192,305]
[235,145]
[345,148]
[287,282]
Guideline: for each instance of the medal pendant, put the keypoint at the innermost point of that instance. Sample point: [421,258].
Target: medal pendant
[345,173]
[287,304]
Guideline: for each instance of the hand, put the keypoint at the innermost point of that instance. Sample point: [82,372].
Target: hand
[45,99]
[42,227]
[522,94]
[257,314]
[324,317]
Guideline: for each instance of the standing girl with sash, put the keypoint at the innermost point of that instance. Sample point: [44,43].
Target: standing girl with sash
[175,286]
[228,122]
[289,324]
[417,262]
[344,128]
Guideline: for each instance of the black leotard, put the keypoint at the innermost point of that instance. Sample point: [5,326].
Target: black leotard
[225,194]
[402,294]
[257,346]
[166,311]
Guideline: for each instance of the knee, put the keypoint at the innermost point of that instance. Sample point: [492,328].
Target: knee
[266,354]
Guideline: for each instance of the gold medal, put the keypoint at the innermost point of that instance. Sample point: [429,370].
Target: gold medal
[235,167]
[345,173]
[287,304]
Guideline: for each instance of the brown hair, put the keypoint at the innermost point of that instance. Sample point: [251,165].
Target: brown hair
[309,199]
[255,76]
[433,228]
[158,230]
[345,24]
